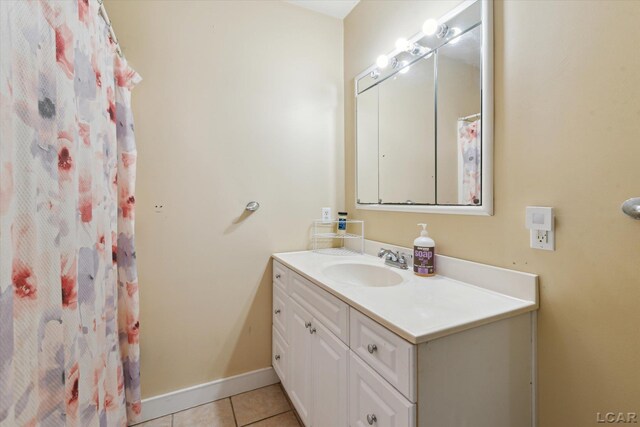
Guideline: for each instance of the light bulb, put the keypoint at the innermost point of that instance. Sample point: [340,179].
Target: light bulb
[402,44]
[382,61]
[430,27]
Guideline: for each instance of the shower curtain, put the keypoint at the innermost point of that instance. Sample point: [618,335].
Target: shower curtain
[69,353]
[470,162]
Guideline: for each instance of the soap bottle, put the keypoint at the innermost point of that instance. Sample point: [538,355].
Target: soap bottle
[424,254]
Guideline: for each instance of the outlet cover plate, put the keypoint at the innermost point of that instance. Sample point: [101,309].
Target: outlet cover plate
[543,239]
[326,215]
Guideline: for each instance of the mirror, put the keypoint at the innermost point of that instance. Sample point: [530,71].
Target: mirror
[424,122]
[406,164]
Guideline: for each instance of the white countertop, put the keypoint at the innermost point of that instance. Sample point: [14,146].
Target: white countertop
[421,308]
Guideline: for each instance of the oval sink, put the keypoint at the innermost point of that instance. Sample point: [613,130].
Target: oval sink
[363,274]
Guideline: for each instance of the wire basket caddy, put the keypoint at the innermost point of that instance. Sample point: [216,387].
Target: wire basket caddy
[327,240]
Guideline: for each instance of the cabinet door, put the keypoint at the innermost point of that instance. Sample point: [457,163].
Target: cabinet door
[373,402]
[300,360]
[329,359]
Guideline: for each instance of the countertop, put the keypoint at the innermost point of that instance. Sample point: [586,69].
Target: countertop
[419,309]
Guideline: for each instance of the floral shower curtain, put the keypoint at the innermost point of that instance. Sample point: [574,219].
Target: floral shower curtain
[69,353]
[470,163]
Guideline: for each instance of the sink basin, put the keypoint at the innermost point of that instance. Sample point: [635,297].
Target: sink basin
[363,274]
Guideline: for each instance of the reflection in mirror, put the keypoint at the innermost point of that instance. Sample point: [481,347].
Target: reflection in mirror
[459,105]
[367,146]
[407,135]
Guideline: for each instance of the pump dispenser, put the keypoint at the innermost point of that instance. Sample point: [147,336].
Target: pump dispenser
[423,254]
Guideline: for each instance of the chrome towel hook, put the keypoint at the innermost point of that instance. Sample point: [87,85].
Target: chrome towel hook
[252,206]
[631,207]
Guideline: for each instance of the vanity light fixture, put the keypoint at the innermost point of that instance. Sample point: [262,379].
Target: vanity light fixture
[431,27]
[454,33]
[374,74]
[405,45]
[382,61]
[405,70]
[395,63]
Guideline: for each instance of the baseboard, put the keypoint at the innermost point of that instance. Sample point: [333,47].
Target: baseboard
[179,400]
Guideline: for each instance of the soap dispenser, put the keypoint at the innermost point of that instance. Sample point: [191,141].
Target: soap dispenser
[424,254]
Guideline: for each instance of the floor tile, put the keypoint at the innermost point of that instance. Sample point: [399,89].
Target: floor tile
[158,422]
[259,404]
[214,414]
[288,419]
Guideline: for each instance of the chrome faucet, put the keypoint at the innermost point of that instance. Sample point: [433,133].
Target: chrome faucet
[393,259]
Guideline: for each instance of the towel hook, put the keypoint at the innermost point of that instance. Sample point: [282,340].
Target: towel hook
[252,206]
[631,207]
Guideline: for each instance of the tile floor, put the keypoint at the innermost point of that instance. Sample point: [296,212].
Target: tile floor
[264,407]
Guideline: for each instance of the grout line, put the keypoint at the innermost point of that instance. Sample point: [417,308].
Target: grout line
[273,415]
[171,420]
[293,408]
[267,418]
[233,410]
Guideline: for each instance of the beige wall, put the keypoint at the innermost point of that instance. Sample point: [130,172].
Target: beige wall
[567,110]
[240,101]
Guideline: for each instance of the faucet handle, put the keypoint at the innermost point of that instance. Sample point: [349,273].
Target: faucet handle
[382,252]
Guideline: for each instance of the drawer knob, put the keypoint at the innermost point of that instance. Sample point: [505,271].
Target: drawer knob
[278,276]
[371,418]
[277,311]
[307,325]
[312,330]
[372,348]
[277,357]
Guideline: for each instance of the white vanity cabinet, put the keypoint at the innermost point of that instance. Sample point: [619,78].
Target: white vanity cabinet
[341,368]
[315,373]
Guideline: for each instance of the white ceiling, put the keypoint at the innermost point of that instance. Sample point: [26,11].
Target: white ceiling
[336,8]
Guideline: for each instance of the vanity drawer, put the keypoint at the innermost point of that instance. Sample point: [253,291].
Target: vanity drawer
[387,353]
[280,356]
[372,401]
[280,274]
[280,306]
[329,310]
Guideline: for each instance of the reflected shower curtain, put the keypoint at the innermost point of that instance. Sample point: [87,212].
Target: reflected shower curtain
[470,163]
[69,353]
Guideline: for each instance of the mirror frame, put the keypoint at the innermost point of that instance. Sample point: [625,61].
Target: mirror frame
[486,208]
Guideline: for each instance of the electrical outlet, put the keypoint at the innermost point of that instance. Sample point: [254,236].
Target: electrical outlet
[540,222]
[543,239]
[326,215]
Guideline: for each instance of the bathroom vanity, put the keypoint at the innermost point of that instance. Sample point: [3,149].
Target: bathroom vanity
[359,343]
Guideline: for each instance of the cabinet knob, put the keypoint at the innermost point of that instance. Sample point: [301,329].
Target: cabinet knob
[371,418]
[372,348]
[307,325]
[277,311]
[312,330]
[278,276]
[277,357]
